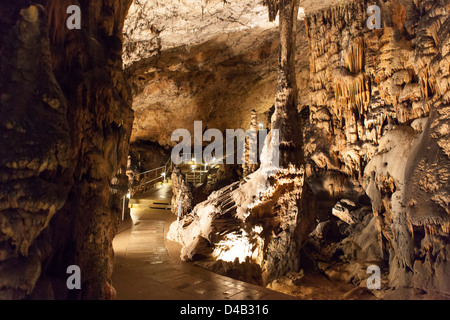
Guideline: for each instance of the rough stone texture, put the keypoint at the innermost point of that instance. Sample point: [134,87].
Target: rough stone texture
[375,122]
[216,69]
[264,219]
[182,191]
[379,99]
[214,82]
[65,124]
[146,155]
[182,55]
[154,25]
[374,111]
[251,147]
[342,210]
[253,224]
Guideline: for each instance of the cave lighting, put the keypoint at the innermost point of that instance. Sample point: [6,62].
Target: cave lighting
[233,246]
[261,126]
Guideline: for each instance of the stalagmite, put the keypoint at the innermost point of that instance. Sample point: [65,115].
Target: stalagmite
[251,144]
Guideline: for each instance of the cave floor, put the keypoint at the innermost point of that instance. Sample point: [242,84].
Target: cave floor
[147,265]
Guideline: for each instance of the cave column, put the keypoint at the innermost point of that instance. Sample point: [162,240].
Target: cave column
[251,145]
[290,198]
[286,118]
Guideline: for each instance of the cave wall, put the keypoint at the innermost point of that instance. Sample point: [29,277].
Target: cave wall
[215,82]
[378,124]
[65,125]
[257,226]
[216,67]
[145,155]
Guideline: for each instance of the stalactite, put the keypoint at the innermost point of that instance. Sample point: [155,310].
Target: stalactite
[351,92]
[273,6]
[354,57]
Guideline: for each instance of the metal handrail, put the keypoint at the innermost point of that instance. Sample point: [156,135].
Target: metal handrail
[145,183]
[157,174]
[139,174]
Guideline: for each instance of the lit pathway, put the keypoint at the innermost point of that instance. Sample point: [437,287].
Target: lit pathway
[147,266]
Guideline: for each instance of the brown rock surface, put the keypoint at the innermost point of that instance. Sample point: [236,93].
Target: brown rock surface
[65,124]
[265,219]
[385,121]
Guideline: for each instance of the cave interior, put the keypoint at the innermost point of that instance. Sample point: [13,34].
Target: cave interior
[238,149]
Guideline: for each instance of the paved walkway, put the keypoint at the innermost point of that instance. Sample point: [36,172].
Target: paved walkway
[147,265]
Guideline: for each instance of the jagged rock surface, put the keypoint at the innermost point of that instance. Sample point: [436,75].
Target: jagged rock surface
[239,223]
[375,119]
[265,219]
[374,107]
[379,121]
[65,124]
[216,69]
[182,199]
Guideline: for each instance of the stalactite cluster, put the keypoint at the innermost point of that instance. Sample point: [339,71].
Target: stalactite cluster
[386,92]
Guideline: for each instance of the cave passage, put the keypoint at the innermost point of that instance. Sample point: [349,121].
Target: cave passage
[224,150]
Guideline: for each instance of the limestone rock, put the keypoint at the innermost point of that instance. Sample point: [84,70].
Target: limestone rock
[64,128]
[363,114]
[182,199]
[321,230]
[264,219]
[342,210]
[384,118]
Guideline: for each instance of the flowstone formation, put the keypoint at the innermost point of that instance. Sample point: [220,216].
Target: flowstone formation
[378,125]
[65,125]
[262,221]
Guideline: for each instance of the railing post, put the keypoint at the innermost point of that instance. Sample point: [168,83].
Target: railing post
[123,207]
[148,179]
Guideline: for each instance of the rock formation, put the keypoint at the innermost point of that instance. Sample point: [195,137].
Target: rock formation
[375,124]
[182,194]
[65,125]
[250,162]
[378,122]
[265,219]
[361,118]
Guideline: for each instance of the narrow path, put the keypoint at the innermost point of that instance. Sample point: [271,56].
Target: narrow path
[147,266]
